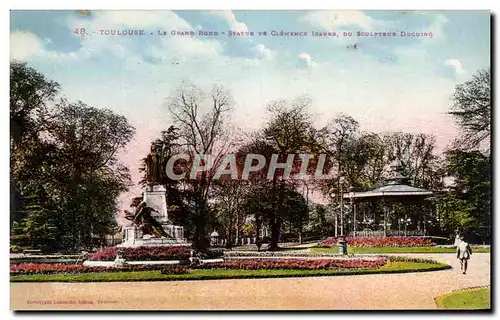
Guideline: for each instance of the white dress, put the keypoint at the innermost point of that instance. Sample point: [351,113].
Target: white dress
[463,250]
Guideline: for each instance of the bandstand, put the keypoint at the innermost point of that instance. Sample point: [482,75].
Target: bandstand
[396,190]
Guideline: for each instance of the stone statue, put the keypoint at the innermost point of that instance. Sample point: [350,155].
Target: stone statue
[154,167]
[145,221]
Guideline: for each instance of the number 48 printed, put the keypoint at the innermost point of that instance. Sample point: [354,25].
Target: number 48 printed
[80,31]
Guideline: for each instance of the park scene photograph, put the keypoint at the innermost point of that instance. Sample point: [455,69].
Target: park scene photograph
[250,160]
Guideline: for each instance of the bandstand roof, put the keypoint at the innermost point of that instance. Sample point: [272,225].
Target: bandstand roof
[396,187]
[391,190]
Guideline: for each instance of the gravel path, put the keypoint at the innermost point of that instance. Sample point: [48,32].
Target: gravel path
[385,291]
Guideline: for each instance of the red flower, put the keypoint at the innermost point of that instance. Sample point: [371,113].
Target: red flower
[158,253]
[379,242]
[296,264]
[47,268]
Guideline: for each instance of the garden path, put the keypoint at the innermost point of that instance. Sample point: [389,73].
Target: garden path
[382,291]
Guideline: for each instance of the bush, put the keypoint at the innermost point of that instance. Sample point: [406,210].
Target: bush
[379,242]
[174,270]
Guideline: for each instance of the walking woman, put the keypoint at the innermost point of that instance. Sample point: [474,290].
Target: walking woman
[464,252]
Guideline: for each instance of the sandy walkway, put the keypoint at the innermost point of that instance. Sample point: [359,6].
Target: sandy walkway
[389,291]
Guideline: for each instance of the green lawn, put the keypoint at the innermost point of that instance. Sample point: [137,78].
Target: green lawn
[397,250]
[391,267]
[466,299]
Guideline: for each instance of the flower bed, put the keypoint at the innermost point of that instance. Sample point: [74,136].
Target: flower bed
[46,268]
[411,259]
[297,264]
[276,254]
[379,242]
[159,253]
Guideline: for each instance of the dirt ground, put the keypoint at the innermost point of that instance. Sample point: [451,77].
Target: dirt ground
[385,291]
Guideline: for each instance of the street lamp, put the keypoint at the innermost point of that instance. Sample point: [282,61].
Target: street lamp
[406,224]
[333,211]
[353,210]
[341,192]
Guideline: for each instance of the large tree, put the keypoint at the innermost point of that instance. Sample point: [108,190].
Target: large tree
[202,119]
[471,107]
[31,95]
[416,153]
[467,205]
[65,173]
[288,131]
[229,195]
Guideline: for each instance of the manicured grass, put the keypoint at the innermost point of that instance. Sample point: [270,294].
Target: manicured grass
[397,250]
[478,298]
[201,274]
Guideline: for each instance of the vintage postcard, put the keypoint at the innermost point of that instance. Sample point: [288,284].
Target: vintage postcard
[250,160]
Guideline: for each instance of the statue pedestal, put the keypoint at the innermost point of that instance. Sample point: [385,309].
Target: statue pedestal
[155,198]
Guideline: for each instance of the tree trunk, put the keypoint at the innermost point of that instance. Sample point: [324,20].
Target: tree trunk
[229,242]
[199,239]
[257,231]
[275,233]
[200,242]
[278,214]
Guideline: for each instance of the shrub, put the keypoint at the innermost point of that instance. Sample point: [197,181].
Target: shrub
[174,270]
[379,242]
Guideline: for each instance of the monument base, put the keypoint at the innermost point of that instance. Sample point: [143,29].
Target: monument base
[135,238]
[155,198]
[155,242]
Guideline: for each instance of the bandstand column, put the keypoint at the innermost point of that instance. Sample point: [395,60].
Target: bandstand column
[354,216]
[385,217]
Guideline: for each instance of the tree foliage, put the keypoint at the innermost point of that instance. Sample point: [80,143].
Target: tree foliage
[468,203]
[65,174]
[471,108]
[203,130]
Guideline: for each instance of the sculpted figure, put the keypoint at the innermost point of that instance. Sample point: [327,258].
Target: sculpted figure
[145,221]
[153,167]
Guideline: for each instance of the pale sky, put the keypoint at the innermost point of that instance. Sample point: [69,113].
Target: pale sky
[387,84]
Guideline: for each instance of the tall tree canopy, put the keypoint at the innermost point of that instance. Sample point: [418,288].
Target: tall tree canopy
[471,107]
[201,117]
[65,174]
